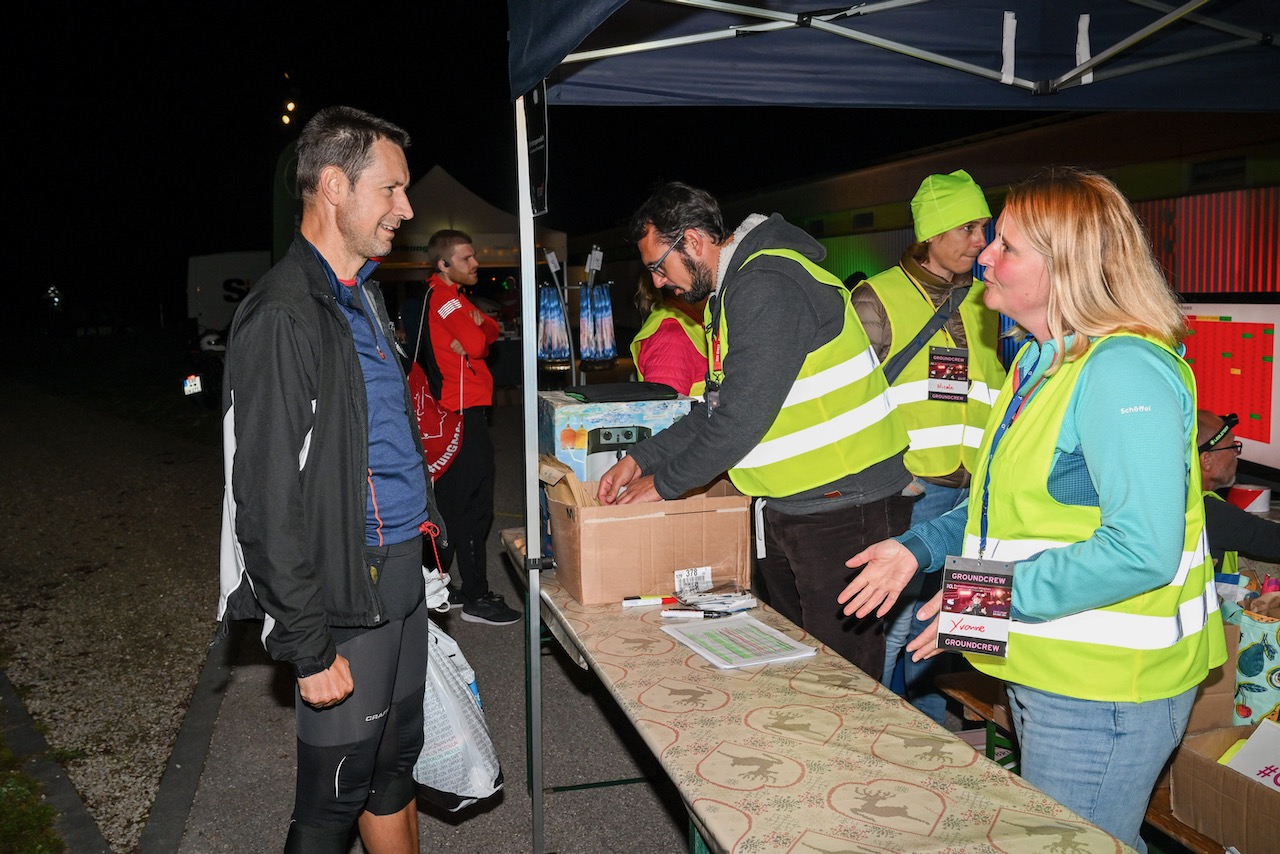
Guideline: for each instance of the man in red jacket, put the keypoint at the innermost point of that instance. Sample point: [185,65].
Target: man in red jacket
[460,339]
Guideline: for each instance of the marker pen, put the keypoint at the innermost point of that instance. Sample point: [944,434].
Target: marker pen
[689,614]
[634,601]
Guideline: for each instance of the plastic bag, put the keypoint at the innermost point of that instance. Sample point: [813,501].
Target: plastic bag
[458,764]
[437,584]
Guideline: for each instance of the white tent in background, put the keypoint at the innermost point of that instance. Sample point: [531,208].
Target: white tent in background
[440,201]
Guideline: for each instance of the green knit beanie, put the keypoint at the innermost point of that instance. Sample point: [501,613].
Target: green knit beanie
[946,201]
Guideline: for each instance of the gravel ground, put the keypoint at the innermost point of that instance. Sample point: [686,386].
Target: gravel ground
[107,580]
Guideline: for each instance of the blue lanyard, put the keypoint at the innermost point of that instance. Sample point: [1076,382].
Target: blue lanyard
[1010,414]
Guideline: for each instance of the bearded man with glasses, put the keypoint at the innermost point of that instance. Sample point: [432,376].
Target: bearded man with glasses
[796,409]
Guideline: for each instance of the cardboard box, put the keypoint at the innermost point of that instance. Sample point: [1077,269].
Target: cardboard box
[1257,759]
[1216,697]
[1220,802]
[1215,700]
[604,553]
[591,437]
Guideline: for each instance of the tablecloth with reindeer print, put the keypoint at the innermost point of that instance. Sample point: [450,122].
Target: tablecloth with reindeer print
[813,756]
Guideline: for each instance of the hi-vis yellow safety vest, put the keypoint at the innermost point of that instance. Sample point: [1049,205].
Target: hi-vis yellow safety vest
[1151,646]
[1230,559]
[697,334]
[837,418]
[944,434]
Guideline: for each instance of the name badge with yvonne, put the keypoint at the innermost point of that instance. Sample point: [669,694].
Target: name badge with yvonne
[976,595]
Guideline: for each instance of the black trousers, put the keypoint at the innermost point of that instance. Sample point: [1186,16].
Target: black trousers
[465,496]
[804,571]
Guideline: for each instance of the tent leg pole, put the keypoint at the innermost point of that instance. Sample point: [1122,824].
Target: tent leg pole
[532,520]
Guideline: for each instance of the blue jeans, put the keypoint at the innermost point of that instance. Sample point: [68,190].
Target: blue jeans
[902,625]
[1097,758]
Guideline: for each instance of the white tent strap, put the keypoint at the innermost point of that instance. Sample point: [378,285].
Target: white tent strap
[1083,50]
[1124,44]
[1008,48]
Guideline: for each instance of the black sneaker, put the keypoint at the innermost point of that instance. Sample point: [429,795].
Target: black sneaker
[455,599]
[491,609]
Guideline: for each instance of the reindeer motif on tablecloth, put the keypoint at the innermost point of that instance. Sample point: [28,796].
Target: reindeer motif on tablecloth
[934,744]
[873,803]
[688,696]
[1066,843]
[780,721]
[761,767]
[638,644]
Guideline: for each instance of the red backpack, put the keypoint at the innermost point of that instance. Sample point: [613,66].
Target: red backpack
[441,429]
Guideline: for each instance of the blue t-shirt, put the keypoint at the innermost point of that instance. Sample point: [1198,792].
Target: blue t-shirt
[397,482]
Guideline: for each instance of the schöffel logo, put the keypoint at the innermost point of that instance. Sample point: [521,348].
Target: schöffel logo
[1125,410]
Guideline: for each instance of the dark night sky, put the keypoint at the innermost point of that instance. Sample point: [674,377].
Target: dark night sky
[148,132]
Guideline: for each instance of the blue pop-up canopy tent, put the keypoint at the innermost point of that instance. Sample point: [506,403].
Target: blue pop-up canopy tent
[981,54]
[1055,55]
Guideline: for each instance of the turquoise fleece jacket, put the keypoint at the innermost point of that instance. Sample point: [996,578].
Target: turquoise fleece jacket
[1122,448]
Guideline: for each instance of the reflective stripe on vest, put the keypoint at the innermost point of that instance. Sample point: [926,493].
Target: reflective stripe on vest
[837,418]
[945,435]
[1150,646]
[1112,628]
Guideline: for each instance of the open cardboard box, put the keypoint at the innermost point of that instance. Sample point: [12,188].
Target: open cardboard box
[604,553]
[1220,802]
[1216,800]
[1215,699]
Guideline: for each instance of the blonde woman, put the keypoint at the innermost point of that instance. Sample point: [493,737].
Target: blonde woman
[1086,480]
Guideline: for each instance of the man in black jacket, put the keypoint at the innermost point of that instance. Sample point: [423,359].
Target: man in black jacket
[327,492]
[1229,529]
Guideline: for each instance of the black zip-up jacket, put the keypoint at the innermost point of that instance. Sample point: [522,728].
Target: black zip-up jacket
[296,459]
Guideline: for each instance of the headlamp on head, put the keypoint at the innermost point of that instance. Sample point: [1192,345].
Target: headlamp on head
[1228,421]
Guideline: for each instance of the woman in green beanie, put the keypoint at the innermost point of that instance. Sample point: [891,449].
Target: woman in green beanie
[944,419]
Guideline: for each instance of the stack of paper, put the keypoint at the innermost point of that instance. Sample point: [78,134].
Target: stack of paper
[738,641]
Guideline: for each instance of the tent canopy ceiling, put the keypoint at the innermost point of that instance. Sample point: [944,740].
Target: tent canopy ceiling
[966,54]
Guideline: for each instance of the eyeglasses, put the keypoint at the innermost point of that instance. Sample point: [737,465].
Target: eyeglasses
[656,266]
[1234,446]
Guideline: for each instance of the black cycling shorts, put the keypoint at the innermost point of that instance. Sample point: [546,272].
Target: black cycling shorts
[359,755]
